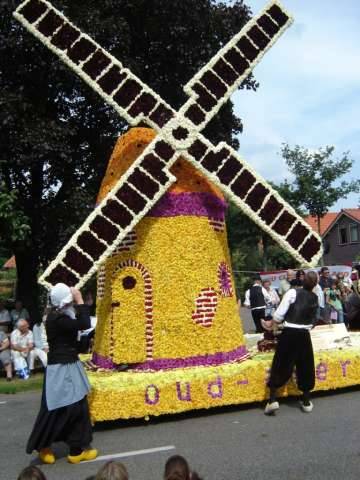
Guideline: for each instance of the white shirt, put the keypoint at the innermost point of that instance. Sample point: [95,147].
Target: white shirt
[274,297]
[320,294]
[279,315]
[247,297]
[5,316]
[40,338]
[20,340]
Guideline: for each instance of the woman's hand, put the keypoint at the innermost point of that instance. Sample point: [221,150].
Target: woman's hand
[77,297]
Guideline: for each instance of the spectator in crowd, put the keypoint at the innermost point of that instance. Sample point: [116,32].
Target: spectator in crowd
[41,346]
[324,280]
[177,468]
[344,282]
[334,300]
[5,355]
[321,302]
[353,301]
[256,298]
[273,300]
[294,349]
[22,345]
[287,283]
[300,275]
[19,312]
[31,473]
[5,319]
[112,471]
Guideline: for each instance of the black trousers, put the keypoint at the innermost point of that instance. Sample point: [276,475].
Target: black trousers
[294,349]
[257,315]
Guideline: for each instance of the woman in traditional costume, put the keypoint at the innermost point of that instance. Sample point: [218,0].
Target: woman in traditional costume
[64,412]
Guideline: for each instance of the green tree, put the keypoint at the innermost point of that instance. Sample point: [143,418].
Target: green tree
[56,134]
[316,186]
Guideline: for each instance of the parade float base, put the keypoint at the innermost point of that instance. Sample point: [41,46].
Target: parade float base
[124,395]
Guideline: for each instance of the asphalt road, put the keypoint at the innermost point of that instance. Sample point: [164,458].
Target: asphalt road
[232,443]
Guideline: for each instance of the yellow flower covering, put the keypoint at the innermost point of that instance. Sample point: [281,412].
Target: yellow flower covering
[128,394]
[166,307]
[169,295]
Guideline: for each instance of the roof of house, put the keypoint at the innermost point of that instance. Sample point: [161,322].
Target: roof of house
[11,263]
[325,221]
[330,218]
[352,212]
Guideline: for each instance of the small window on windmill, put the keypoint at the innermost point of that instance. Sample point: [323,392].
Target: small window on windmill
[343,237]
[354,233]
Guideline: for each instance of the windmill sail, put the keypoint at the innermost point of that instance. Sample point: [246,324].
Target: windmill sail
[129,96]
[212,86]
[142,186]
[256,198]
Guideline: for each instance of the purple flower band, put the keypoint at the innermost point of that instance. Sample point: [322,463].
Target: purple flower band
[200,204]
[212,360]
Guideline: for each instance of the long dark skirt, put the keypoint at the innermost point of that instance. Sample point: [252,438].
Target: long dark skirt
[70,424]
[294,349]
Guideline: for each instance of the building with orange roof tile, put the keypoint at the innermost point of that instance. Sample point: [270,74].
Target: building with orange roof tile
[340,232]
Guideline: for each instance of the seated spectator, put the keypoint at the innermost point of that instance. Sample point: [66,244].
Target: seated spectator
[22,346]
[5,355]
[31,473]
[41,346]
[177,468]
[19,312]
[5,319]
[112,471]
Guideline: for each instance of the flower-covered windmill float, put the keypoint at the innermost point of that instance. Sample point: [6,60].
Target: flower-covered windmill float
[157,238]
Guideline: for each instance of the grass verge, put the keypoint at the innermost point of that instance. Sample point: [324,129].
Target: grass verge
[16,385]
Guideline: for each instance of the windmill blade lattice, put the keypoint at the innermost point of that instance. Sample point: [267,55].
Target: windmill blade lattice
[212,86]
[129,96]
[119,212]
[142,186]
[255,197]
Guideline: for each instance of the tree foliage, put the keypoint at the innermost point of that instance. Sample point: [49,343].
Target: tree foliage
[316,186]
[12,221]
[56,134]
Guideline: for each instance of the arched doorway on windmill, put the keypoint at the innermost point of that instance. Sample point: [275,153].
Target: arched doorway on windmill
[131,319]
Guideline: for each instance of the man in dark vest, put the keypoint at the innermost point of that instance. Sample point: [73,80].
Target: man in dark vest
[256,298]
[297,311]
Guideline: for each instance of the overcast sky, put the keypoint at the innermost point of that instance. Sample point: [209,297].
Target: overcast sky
[309,90]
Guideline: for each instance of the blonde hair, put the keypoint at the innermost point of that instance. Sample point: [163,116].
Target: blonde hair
[112,471]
